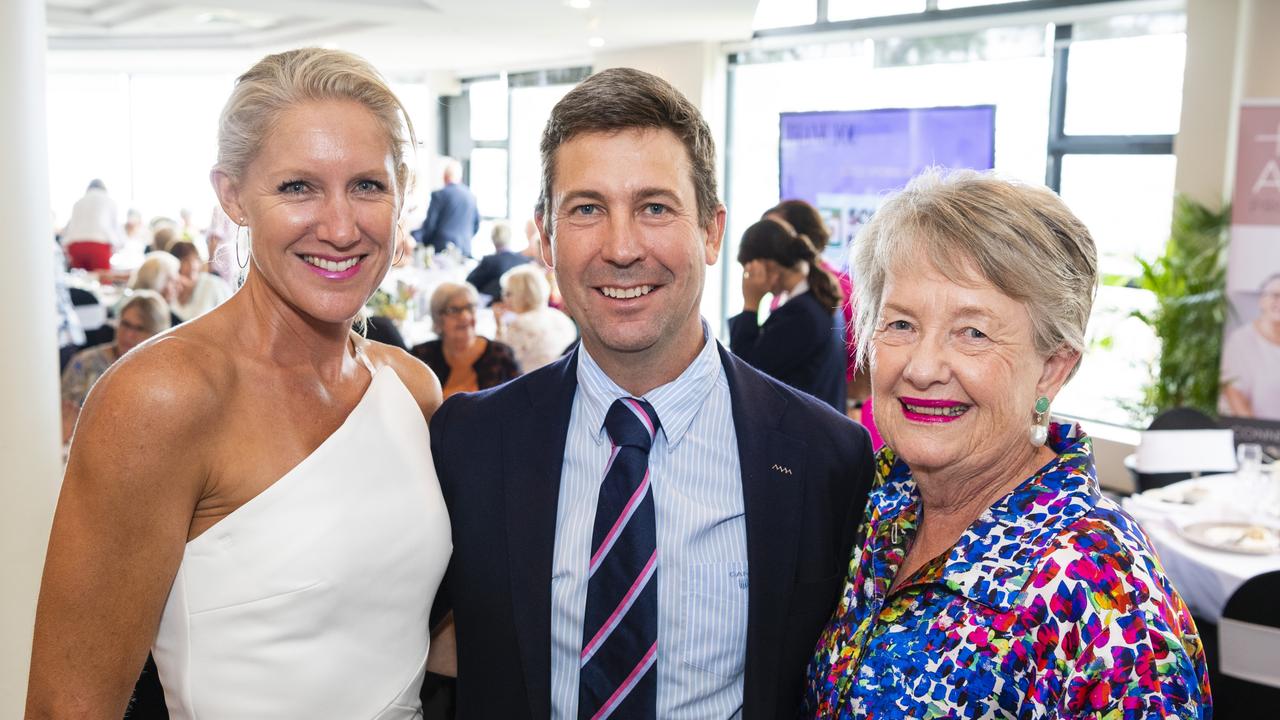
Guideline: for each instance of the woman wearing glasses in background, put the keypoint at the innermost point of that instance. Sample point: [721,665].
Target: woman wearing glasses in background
[463,360]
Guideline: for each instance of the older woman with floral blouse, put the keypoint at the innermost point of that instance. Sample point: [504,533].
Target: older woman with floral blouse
[992,578]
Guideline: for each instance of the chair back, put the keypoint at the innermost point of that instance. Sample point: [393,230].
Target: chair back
[1249,633]
[1181,443]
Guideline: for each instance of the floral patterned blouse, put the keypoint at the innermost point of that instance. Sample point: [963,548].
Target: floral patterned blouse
[1051,605]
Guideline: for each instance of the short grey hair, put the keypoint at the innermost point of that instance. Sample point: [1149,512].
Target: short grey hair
[525,288]
[444,293]
[1022,239]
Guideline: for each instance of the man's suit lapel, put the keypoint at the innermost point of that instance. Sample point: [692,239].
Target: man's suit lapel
[532,462]
[773,471]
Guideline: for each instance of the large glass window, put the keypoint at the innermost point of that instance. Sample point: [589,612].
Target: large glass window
[1120,83]
[151,138]
[530,108]
[88,116]
[488,100]
[1103,138]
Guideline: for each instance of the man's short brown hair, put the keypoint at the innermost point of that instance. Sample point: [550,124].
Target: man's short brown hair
[623,99]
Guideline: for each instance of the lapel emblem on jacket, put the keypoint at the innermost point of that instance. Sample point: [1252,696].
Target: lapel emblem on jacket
[782,469]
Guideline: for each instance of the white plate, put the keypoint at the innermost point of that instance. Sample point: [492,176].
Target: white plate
[1236,537]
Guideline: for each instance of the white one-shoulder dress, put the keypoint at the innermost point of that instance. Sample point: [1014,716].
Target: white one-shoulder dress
[312,599]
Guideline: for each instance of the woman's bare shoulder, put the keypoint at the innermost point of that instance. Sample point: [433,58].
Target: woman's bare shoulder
[174,381]
[415,375]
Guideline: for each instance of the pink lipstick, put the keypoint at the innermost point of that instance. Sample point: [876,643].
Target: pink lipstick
[333,268]
[927,410]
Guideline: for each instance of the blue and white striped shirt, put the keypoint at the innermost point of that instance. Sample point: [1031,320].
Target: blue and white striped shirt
[702,539]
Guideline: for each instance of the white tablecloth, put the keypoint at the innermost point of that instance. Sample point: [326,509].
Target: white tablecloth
[1204,577]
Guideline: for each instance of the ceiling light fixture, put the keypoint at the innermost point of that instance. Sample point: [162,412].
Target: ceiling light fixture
[578,4]
[596,42]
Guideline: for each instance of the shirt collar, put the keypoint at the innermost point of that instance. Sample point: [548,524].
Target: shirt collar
[676,403]
[793,293]
[1030,517]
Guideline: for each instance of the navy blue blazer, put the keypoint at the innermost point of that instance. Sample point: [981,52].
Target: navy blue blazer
[452,218]
[489,272]
[799,345]
[806,473]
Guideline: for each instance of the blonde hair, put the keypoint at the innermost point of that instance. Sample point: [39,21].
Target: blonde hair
[158,268]
[284,80]
[525,288]
[1022,239]
[155,311]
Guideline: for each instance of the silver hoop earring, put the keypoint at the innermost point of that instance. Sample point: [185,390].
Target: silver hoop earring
[245,262]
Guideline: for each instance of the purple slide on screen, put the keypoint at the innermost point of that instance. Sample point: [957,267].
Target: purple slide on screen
[844,162]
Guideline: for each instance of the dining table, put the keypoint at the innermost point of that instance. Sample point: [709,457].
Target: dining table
[1212,533]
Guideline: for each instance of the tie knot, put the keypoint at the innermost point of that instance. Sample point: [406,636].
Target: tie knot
[631,422]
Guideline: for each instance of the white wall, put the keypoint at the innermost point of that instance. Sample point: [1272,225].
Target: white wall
[30,430]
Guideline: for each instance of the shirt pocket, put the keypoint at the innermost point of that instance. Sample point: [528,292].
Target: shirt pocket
[715,617]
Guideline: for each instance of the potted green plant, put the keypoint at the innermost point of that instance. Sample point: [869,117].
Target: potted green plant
[1189,284]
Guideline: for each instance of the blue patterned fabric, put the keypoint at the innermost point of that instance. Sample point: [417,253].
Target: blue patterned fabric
[1051,605]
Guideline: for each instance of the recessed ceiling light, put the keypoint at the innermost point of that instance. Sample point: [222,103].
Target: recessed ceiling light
[578,4]
[596,42]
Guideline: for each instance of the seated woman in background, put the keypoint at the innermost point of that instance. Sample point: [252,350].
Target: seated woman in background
[144,314]
[796,344]
[161,273]
[463,360]
[536,331]
[198,292]
[993,578]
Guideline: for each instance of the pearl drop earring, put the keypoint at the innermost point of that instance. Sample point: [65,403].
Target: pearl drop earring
[1040,426]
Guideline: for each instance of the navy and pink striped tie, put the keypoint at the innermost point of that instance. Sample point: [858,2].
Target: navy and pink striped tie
[618,675]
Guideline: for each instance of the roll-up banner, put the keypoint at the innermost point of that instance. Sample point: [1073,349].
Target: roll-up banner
[1249,399]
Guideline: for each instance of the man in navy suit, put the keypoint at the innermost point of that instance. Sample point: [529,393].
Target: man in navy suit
[487,277]
[747,493]
[452,218]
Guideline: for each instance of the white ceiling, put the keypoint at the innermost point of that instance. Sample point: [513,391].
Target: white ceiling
[399,36]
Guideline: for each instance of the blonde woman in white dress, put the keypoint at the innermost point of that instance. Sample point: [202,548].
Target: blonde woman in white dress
[251,496]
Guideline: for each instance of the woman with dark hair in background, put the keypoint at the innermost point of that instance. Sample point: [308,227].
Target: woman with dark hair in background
[795,345]
[806,220]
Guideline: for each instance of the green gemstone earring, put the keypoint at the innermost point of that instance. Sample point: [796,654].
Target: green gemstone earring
[1040,426]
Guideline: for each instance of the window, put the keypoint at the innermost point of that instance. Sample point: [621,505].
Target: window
[859,9]
[1117,104]
[151,138]
[530,108]
[1088,108]
[488,100]
[784,13]
[507,116]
